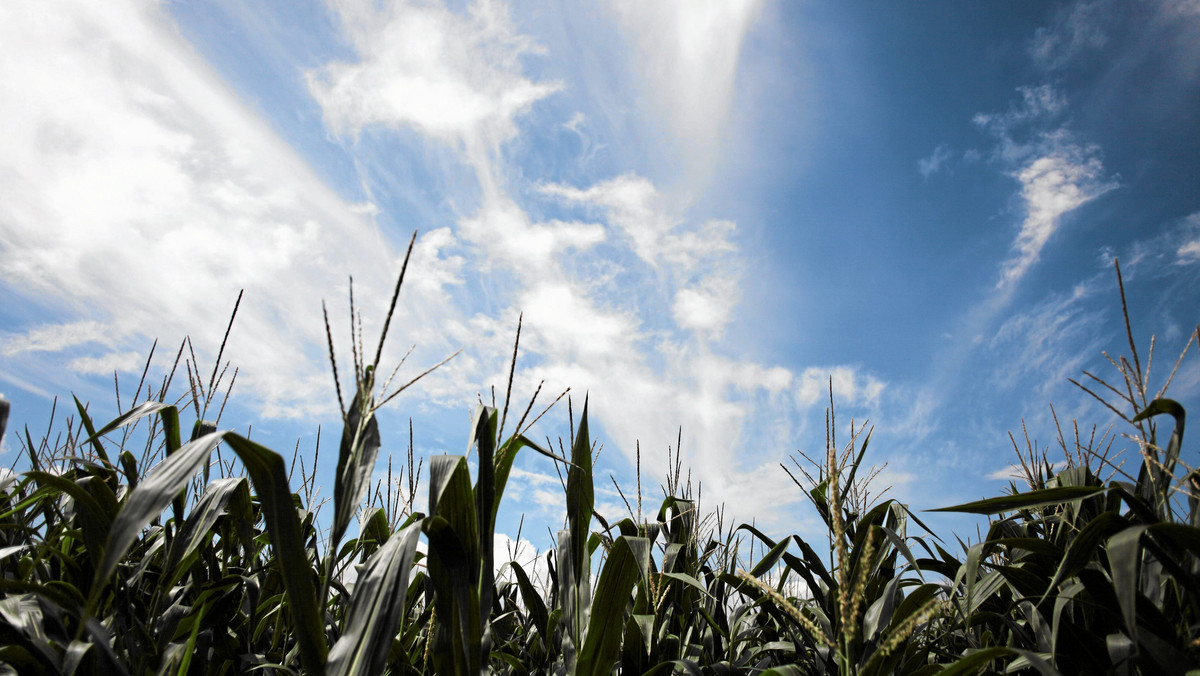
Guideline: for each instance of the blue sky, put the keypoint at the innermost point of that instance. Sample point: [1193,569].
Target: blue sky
[705,211]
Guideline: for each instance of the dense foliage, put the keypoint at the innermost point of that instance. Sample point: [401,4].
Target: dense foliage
[128,549]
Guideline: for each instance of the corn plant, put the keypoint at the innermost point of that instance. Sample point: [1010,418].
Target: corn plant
[133,547]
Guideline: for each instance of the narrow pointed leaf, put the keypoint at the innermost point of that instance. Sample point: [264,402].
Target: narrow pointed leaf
[614,591]
[1012,503]
[376,609]
[356,460]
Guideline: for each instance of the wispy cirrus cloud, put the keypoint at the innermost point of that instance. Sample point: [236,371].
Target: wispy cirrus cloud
[55,338]
[626,296]
[1188,252]
[928,166]
[1052,185]
[150,200]
[687,54]
[1056,173]
[848,385]
[139,195]
[448,75]
[1075,29]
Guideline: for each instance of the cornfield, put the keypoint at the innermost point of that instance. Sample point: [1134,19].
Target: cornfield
[136,547]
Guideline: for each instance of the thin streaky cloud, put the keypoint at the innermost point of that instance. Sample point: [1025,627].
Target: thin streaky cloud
[1077,28]
[927,166]
[597,334]
[1052,186]
[687,54]
[54,338]
[152,199]
[451,76]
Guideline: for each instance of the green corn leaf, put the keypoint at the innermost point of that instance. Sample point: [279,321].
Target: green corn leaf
[203,517]
[1154,479]
[681,666]
[130,468]
[1124,555]
[356,459]
[1180,535]
[128,417]
[685,579]
[452,498]
[150,498]
[487,502]
[190,647]
[376,609]
[374,530]
[1037,546]
[898,541]
[580,499]
[811,564]
[574,559]
[1160,406]
[1012,503]
[1083,548]
[457,644]
[534,603]
[4,407]
[635,646]
[971,664]
[454,566]
[269,476]
[881,612]
[95,520]
[91,430]
[768,561]
[1067,597]
[602,646]
[571,606]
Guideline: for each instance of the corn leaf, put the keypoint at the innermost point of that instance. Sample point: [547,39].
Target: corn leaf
[602,646]
[376,609]
[356,459]
[1012,503]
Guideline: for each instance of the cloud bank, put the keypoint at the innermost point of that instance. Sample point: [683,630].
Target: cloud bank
[140,195]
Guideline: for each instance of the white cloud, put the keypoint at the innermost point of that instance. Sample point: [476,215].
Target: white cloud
[503,231]
[577,121]
[632,204]
[56,337]
[1077,29]
[1052,186]
[626,302]
[848,386]
[688,53]
[700,261]
[567,322]
[1015,472]
[1038,104]
[1188,251]
[1038,349]
[706,306]
[649,222]
[450,76]
[122,362]
[930,165]
[138,192]
[1181,8]
[1057,175]
[1009,473]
